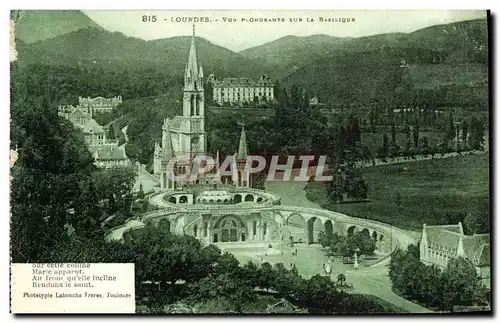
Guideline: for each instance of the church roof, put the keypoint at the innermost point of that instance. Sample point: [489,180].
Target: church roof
[110,152]
[242,148]
[476,247]
[178,124]
[92,126]
[443,237]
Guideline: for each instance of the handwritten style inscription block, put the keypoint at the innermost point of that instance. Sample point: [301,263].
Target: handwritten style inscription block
[72,288]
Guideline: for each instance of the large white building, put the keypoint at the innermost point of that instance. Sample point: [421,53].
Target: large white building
[184,137]
[240,90]
[99,104]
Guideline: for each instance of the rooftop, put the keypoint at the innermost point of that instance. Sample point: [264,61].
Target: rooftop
[110,152]
[476,247]
[243,82]
[92,126]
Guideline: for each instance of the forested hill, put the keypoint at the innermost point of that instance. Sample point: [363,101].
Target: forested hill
[378,77]
[37,25]
[460,42]
[95,47]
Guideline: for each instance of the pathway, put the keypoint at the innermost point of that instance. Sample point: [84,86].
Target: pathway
[124,130]
[399,160]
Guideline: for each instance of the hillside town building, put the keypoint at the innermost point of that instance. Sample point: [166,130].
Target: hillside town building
[440,243]
[107,153]
[99,104]
[241,90]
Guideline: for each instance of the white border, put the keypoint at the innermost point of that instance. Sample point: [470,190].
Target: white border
[214,4]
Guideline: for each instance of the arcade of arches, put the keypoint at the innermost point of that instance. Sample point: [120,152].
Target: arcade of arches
[263,226]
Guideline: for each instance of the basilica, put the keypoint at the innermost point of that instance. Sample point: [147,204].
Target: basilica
[184,138]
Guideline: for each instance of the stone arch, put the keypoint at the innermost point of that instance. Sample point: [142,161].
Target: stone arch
[164,225]
[314,227]
[229,229]
[183,199]
[328,227]
[259,199]
[237,198]
[172,199]
[296,225]
[374,235]
[219,201]
[366,231]
[351,230]
[296,220]
[226,201]
[249,198]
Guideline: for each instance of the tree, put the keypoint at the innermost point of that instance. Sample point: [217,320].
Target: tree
[372,118]
[363,242]
[323,239]
[114,188]
[450,128]
[320,295]
[465,131]
[393,134]
[385,145]
[416,134]
[265,275]
[232,291]
[355,186]
[477,223]
[341,279]
[398,200]
[140,194]
[460,283]
[258,181]
[476,130]
[407,132]
[132,151]
[47,179]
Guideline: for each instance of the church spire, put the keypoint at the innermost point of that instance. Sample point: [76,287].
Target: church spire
[242,149]
[167,148]
[192,66]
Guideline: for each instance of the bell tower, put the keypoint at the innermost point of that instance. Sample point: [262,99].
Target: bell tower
[194,140]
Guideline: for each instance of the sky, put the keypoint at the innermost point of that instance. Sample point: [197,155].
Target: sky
[244,33]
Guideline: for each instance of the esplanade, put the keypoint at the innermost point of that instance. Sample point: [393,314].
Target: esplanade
[242,214]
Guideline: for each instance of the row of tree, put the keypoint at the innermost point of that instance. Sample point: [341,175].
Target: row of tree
[458,284]
[460,136]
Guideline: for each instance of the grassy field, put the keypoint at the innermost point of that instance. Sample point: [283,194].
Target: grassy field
[429,190]
[433,76]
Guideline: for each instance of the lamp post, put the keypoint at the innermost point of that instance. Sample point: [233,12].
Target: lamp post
[356,264]
[327,268]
